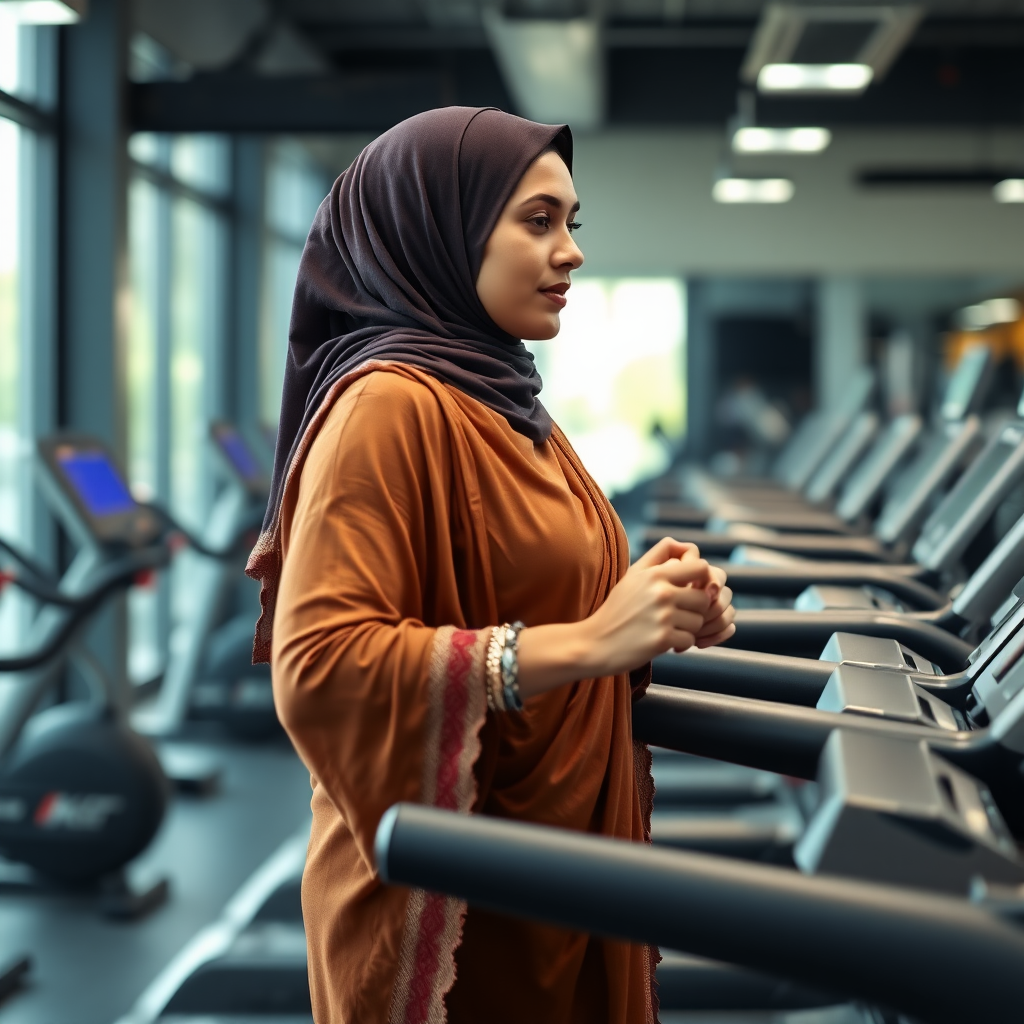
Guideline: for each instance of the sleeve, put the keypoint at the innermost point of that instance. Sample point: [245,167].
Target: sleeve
[381,706]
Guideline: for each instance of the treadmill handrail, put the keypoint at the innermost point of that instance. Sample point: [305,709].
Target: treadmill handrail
[745,674]
[761,579]
[784,631]
[815,545]
[874,942]
[770,736]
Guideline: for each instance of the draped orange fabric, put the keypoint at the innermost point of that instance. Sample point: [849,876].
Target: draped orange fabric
[415,519]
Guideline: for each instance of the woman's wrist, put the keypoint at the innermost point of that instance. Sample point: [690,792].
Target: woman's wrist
[555,654]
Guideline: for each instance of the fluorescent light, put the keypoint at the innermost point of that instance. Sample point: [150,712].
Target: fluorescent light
[44,12]
[1009,190]
[780,140]
[989,312]
[752,190]
[850,78]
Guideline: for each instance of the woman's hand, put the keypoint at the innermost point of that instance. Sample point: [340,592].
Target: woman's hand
[670,599]
[718,621]
[661,604]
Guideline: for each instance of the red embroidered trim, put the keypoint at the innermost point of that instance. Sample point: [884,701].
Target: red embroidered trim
[434,923]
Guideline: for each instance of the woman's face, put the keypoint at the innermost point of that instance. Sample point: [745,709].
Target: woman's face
[530,253]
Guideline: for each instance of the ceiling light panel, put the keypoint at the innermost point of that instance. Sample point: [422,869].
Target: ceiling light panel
[780,140]
[752,190]
[44,12]
[1009,190]
[823,37]
[814,78]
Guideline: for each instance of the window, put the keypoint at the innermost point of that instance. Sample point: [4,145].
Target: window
[295,188]
[177,237]
[27,203]
[9,325]
[614,377]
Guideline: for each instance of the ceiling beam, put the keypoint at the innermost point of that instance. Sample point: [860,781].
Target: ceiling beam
[249,104]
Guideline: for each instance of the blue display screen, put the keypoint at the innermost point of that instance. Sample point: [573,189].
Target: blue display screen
[96,481]
[238,453]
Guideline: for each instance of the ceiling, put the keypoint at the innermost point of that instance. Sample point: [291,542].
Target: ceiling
[335,65]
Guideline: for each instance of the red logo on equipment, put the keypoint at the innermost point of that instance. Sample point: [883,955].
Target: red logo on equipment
[82,812]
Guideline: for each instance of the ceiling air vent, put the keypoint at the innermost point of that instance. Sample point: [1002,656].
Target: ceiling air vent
[826,49]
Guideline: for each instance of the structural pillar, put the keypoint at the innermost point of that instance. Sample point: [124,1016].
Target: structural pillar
[94,295]
[840,337]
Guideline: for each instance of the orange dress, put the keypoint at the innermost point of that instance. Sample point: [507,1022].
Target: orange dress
[415,518]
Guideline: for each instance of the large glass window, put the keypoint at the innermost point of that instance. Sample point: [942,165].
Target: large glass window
[26,280]
[177,252]
[295,186]
[614,377]
[9,325]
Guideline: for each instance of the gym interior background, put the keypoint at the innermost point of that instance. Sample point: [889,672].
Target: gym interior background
[749,247]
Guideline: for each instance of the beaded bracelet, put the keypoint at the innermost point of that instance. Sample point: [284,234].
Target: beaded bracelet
[492,671]
[510,666]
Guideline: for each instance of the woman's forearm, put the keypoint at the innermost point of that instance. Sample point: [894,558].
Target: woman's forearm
[552,655]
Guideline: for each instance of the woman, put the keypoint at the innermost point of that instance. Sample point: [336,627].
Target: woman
[422,500]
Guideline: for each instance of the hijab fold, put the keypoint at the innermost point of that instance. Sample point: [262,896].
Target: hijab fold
[389,271]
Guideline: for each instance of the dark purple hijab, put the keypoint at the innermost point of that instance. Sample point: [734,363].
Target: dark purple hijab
[389,270]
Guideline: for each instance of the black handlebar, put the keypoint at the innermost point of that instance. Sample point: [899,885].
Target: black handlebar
[759,579]
[874,942]
[791,632]
[236,548]
[81,606]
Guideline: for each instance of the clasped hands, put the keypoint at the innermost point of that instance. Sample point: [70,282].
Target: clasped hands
[669,599]
[696,575]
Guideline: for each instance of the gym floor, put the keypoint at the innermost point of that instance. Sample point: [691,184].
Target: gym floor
[90,970]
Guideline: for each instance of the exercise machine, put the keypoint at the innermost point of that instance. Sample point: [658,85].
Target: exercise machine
[81,794]
[211,675]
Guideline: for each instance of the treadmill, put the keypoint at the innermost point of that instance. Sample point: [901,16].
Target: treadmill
[953,443]
[965,394]
[908,875]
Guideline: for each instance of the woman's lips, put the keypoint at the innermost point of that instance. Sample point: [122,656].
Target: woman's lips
[556,294]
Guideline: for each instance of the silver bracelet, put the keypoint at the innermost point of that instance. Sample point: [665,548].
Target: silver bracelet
[510,667]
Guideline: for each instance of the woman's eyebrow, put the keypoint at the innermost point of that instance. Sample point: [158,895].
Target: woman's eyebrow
[553,200]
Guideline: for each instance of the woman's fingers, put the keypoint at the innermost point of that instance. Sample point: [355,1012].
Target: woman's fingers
[717,624]
[690,622]
[666,549]
[686,572]
[719,606]
[682,640]
[717,638]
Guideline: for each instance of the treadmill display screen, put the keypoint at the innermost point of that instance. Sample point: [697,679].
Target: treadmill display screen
[96,481]
[970,485]
[238,454]
[960,392]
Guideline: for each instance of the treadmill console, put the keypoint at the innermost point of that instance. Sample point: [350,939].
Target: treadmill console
[892,811]
[997,697]
[91,493]
[968,506]
[240,459]
[968,384]
[927,473]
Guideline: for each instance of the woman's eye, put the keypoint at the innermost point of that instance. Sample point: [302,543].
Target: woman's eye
[574,225]
[541,222]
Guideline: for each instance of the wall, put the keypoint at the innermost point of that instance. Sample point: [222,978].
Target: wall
[647,208]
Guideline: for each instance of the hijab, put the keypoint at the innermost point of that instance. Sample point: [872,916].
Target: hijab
[390,265]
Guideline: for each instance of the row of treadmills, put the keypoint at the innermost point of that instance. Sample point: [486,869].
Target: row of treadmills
[839,791]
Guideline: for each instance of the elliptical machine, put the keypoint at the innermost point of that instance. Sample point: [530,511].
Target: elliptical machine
[211,675]
[81,794]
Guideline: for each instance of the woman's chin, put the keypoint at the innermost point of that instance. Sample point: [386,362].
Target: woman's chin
[541,330]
